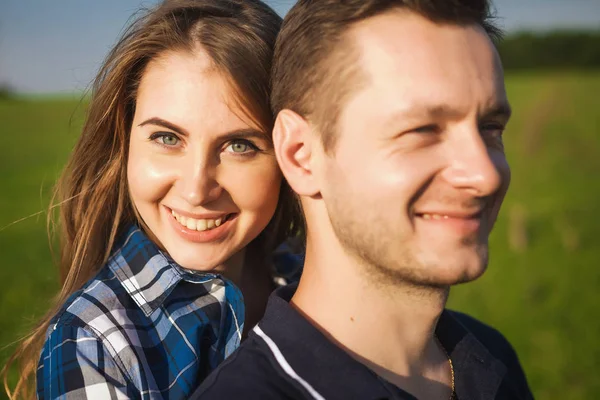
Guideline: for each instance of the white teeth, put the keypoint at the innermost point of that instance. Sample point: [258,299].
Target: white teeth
[191,224]
[197,224]
[436,217]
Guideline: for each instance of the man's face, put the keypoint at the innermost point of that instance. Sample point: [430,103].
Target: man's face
[415,181]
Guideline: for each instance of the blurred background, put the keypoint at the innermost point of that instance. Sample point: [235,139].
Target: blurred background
[542,289]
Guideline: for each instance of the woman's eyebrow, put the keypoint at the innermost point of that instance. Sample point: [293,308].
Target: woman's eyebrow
[165,124]
[247,133]
[244,133]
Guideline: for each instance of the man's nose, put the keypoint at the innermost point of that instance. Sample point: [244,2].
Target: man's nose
[472,166]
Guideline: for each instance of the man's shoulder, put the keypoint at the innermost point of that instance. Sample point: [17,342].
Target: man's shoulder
[248,373]
[501,349]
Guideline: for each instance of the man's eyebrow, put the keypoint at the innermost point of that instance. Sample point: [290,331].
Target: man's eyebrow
[165,124]
[420,110]
[500,110]
[444,111]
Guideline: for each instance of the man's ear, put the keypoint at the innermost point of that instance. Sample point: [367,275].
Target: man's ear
[293,141]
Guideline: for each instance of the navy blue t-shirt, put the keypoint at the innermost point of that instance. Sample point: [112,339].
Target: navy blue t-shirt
[286,357]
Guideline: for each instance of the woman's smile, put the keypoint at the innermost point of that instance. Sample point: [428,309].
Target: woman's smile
[201,230]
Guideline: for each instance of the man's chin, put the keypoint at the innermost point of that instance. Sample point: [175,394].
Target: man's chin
[450,272]
[464,275]
[456,266]
[433,275]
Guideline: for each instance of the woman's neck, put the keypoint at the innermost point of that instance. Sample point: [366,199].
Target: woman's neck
[256,285]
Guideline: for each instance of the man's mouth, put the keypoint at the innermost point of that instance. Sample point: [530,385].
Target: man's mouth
[439,216]
[462,222]
[200,225]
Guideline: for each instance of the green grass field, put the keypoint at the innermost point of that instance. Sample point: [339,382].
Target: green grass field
[542,286]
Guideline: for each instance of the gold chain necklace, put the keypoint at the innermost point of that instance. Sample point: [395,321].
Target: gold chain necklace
[451,366]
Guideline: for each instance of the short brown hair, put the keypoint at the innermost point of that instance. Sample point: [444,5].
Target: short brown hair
[313,70]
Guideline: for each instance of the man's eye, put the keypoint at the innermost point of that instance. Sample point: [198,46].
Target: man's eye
[492,135]
[431,128]
[493,129]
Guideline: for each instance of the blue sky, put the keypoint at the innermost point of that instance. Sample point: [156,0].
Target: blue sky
[56,46]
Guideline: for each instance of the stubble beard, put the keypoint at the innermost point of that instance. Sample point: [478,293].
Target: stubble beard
[386,261]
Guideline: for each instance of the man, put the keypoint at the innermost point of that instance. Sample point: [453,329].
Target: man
[389,128]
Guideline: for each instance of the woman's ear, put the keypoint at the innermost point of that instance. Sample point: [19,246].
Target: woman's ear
[293,141]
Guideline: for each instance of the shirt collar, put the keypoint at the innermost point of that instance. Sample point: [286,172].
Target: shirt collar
[478,374]
[332,372]
[147,274]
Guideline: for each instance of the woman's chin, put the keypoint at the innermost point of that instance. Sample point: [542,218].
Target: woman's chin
[209,259]
[198,263]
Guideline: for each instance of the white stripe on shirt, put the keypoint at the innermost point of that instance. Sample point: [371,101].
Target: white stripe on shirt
[285,365]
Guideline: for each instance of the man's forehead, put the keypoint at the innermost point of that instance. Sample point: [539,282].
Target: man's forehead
[400,39]
[404,55]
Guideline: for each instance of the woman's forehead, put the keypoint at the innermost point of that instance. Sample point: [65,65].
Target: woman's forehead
[185,89]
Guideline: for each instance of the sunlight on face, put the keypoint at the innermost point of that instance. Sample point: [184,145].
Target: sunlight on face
[204,180]
[419,173]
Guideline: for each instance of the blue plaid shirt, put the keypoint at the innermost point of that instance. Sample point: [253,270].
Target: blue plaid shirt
[143,328]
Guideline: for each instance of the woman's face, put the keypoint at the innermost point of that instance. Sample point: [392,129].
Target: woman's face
[204,180]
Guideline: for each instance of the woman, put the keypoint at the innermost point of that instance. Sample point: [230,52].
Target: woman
[170,206]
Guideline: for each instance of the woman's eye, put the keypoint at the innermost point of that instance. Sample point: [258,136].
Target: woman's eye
[169,140]
[241,147]
[165,139]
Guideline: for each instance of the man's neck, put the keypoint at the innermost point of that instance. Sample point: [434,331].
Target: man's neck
[389,328]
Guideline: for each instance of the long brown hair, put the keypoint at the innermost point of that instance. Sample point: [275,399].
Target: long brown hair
[92,193]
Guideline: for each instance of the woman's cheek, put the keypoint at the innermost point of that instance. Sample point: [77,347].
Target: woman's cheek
[150,176]
[256,187]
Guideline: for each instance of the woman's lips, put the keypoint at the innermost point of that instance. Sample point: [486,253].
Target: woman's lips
[201,230]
